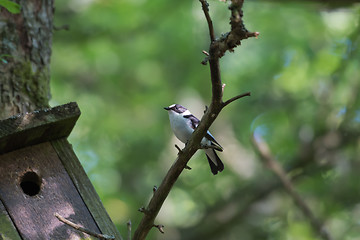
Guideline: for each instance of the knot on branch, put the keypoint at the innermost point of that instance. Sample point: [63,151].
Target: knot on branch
[229,40]
[143,210]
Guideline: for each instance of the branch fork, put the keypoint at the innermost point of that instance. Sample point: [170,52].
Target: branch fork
[231,39]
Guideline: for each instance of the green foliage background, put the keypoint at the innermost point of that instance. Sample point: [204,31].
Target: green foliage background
[123,61]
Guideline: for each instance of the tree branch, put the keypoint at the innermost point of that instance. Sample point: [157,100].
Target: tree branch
[232,39]
[82,229]
[270,161]
[163,190]
[216,51]
[205,7]
[235,98]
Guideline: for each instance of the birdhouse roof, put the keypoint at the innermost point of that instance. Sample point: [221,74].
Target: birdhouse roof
[36,127]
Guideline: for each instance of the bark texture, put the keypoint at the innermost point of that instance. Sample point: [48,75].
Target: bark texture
[25,51]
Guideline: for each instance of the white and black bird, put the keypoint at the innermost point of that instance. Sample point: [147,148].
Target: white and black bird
[183,124]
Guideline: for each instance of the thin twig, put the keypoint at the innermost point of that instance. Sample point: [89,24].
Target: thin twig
[205,52]
[206,108]
[178,148]
[142,209]
[205,8]
[180,151]
[205,61]
[223,88]
[235,98]
[82,229]
[129,229]
[274,165]
[160,228]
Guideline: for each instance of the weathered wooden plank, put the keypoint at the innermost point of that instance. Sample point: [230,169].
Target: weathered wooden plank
[37,127]
[7,228]
[34,186]
[85,188]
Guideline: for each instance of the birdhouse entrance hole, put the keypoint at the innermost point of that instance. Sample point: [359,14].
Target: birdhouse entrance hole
[30,183]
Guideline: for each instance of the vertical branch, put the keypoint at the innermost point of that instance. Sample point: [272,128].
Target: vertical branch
[218,47]
[217,92]
[213,58]
[205,8]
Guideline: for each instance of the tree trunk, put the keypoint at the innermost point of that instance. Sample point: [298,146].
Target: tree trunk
[25,51]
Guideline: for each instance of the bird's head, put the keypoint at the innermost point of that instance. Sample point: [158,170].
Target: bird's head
[176,108]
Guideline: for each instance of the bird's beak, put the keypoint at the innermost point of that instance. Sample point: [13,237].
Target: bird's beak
[166,108]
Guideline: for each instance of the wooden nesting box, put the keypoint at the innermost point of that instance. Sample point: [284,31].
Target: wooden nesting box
[40,175]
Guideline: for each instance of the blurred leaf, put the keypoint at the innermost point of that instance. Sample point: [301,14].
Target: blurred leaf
[10,6]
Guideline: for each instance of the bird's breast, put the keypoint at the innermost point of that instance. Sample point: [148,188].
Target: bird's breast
[180,127]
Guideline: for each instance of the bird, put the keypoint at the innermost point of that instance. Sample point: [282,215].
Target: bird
[183,124]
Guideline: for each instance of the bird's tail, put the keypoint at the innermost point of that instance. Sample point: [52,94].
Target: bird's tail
[216,165]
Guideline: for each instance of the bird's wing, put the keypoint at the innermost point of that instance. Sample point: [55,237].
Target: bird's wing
[194,122]
[213,141]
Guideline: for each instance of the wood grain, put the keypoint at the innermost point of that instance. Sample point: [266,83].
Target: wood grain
[85,188]
[33,216]
[36,127]
[7,228]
